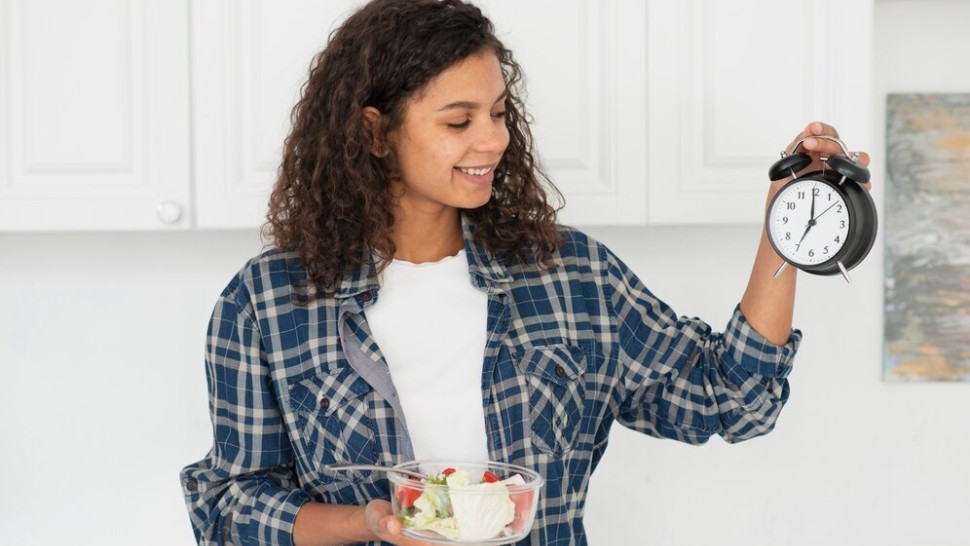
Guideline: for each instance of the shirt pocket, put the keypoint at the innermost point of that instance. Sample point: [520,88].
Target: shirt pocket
[334,423]
[557,390]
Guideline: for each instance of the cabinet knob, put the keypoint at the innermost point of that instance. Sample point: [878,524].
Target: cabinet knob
[169,212]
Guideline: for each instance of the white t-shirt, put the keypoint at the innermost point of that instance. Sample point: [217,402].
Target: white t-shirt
[430,323]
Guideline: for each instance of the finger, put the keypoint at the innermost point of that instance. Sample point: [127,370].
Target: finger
[394,533]
[392,525]
[820,128]
[380,520]
[861,157]
[812,129]
[822,146]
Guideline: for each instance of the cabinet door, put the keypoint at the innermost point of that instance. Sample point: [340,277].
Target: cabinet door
[94,113]
[732,82]
[249,60]
[584,61]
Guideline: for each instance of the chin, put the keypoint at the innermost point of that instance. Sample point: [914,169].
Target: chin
[474,202]
[477,204]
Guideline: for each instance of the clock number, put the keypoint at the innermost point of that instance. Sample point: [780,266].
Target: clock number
[838,208]
[838,238]
[801,195]
[791,205]
[842,224]
[825,250]
[816,192]
[811,253]
[784,219]
[788,236]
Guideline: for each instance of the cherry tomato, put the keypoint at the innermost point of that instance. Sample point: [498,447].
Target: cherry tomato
[448,471]
[488,477]
[523,509]
[406,495]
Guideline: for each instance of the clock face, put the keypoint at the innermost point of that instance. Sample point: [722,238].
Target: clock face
[808,222]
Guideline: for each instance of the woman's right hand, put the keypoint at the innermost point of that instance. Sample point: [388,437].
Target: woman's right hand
[319,524]
[381,521]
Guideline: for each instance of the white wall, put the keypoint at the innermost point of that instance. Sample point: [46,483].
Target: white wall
[102,392]
[854,461]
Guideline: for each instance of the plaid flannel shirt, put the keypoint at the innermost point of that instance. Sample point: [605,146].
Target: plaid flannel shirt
[570,350]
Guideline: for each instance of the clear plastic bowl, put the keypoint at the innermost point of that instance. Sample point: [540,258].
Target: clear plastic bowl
[495,513]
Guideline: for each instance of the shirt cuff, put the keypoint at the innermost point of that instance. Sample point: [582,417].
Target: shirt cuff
[278,510]
[754,352]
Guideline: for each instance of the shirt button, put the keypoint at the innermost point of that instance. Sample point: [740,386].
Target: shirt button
[191,486]
[366,297]
[324,404]
[560,371]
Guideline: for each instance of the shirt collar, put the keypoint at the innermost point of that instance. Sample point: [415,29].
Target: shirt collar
[487,270]
[482,264]
[362,280]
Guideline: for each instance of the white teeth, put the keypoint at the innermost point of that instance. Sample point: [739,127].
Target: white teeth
[475,172]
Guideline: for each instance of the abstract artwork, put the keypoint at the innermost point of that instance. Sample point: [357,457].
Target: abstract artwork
[927,237]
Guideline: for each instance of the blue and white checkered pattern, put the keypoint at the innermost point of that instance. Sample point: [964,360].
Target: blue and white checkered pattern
[571,349]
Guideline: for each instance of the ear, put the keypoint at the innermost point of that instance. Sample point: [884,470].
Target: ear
[375,125]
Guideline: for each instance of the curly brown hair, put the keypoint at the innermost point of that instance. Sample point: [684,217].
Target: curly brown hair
[332,201]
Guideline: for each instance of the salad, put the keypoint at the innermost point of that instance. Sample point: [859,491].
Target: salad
[458,506]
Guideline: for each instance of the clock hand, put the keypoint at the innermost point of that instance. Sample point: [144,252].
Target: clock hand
[824,211]
[811,220]
[807,229]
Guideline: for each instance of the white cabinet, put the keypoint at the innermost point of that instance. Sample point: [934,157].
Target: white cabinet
[584,60]
[732,82]
[94,112]
[249,60]
[655,111]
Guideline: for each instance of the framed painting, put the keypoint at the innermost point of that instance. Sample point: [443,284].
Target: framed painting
[927,238]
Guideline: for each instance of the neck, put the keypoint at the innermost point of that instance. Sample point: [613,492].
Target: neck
[428,239]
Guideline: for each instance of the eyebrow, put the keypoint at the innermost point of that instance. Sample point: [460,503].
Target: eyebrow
[469,105]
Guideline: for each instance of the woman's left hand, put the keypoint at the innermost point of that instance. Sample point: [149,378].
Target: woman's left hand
[818,148]
[769,300]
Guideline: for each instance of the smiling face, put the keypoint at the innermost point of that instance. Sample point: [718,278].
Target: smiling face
[451,139]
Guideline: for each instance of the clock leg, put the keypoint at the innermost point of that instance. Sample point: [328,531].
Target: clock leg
[845,272]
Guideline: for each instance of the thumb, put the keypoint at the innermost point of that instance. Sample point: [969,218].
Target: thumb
[390,525]
[380,519]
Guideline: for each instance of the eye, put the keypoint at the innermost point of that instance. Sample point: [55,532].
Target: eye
[461,125]
[500,115]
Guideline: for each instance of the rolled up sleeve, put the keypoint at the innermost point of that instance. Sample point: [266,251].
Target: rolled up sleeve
[684,381]
[244,491]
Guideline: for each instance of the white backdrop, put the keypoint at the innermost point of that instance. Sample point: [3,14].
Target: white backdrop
[102,392]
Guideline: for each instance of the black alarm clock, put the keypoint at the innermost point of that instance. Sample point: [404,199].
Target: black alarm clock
[823,222]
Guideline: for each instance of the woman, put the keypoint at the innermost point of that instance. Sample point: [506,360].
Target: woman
[422,302]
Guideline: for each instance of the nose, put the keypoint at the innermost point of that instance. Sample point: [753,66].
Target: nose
[493,137]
